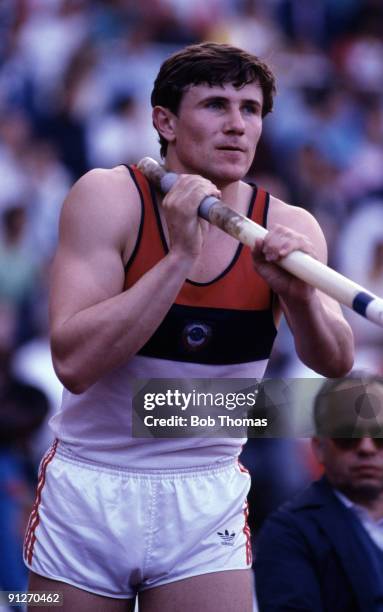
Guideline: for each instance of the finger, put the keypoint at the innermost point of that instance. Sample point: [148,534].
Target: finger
[257,251]
[279,244]
[188,193]
[271,273]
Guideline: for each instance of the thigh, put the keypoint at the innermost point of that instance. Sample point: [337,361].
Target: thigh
[78,599]
[82,520]
[230,591]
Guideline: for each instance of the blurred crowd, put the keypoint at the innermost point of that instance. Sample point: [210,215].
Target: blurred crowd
[75,83]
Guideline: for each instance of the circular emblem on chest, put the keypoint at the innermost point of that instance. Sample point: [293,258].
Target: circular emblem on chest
[196,335]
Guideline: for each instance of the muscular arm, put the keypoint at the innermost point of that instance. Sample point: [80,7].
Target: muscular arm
[95,324]
[323,339]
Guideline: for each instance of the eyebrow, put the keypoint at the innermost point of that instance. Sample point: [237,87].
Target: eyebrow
[218,98]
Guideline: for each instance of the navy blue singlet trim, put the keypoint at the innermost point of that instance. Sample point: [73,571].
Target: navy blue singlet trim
[237,252]
[273,296]
[141,228]
[158,218]
[266,210]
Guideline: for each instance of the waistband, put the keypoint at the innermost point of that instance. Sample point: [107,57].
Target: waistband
[67,455]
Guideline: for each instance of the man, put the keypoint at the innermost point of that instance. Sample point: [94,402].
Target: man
[142,288]
[323,551]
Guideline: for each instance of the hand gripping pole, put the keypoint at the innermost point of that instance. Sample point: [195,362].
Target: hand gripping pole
[299,264]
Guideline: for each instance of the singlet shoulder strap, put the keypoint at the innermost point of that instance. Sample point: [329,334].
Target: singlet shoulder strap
[260,207]
[150,241]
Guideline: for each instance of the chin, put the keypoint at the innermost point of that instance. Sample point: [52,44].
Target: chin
[363,489]
[368,491]
[227,175]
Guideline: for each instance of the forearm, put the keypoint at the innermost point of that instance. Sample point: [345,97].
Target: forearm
[104,336]
[323,339]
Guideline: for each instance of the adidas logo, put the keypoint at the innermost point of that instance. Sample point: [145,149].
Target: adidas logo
[227,539]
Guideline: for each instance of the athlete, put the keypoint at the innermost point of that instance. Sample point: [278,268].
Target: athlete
[143,288]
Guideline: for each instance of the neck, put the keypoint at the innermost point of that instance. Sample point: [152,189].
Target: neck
[374,508]
[235,194]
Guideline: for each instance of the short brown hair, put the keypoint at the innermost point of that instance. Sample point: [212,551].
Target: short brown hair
[212,64]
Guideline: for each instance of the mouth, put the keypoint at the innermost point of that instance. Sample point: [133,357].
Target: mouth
[367,470]
[231,148]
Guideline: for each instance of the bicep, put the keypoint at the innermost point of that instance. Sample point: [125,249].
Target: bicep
[88,267]
[80,280]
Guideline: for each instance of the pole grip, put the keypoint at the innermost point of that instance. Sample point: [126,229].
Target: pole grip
[298,263]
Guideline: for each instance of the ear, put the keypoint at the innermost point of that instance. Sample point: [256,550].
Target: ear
[165,122]
[317,445]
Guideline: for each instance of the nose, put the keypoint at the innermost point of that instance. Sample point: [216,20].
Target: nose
[367,446]
[234,121]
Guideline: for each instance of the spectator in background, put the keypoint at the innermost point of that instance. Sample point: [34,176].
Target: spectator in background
[323,551]
[48,182]
[17,270]
[364,175]
[15,138]
[23,409]
[362,233]
[86,50]
[120,134]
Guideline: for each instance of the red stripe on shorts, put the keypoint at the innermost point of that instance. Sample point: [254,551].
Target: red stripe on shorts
[242,468]
[246,531]
[30,537]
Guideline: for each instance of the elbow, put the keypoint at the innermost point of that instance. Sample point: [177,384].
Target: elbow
[334,369]
[337,357]
[337,366]
[341,362]
[345,365]
[68,366]
[339,369]
[70,377]
[344,362]
[75,386]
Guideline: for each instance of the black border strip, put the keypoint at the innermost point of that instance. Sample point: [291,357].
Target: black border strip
[141,228]
[239,248]
[158,218]
[266,209]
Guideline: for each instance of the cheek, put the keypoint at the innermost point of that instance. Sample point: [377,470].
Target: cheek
[197,144]
[257,132]
[192,138]
[337,466]
[198,135]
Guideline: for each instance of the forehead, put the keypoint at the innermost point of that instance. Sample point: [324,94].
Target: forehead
[196,93]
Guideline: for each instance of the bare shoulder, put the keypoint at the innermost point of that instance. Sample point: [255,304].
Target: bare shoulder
[294,217]
[299,220]
[102,205]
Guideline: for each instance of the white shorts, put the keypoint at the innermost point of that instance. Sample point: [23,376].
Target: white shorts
[114,532]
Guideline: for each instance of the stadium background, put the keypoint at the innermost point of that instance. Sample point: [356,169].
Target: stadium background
[75,82]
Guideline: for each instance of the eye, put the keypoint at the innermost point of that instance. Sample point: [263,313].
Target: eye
[214,104]
[251,109]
